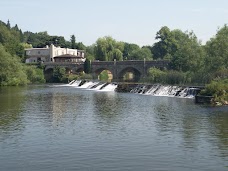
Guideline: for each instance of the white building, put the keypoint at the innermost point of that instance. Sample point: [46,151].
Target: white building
[54,54]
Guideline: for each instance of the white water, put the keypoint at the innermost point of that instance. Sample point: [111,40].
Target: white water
[109,87]
[90,85]
[166,90]
[154,90]
[86,84]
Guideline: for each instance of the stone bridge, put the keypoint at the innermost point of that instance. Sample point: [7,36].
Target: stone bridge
[117,68]
[73,67]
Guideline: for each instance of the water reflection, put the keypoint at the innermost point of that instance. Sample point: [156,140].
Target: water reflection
[106,108]
[11,113]
[63,127]
[218,128]
[55,104]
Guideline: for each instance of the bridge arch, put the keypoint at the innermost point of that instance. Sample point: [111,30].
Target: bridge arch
[48,74]
[130,74]
[79,70]
[100,70]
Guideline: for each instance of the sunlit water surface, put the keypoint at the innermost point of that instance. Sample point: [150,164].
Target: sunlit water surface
[65,128]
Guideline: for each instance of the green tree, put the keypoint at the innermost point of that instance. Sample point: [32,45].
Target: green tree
[141,54]
[117,55]
[128,49]
[11,69]
[108,49]
[73,42]
[189,54]
[216,51]
[165,45]
[34,74]
[81,46]
[59,74]
[87,66]
[90,52]
[8,24]
[155,75]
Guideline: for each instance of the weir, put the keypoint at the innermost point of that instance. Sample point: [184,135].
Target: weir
[150,89]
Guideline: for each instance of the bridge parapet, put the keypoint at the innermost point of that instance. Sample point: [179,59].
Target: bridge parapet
[71,65]
[62,63]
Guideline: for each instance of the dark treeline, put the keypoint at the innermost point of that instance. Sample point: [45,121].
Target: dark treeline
[190,61]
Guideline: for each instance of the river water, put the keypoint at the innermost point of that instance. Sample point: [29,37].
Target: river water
[66,128]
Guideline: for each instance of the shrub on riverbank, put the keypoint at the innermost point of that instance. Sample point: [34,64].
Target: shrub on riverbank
[34,74]
[166,77]
[219,91]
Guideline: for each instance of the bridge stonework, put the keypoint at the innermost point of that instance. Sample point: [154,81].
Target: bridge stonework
[74,67]
[117,68]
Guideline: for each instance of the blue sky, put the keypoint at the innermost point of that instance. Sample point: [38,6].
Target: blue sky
[132,21]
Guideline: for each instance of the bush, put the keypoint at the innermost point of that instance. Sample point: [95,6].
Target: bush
[168,77]
[86,76]
[175,77]
[34,74]
[217,89]
[156,75]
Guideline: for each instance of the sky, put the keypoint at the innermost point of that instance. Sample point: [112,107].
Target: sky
[132,21]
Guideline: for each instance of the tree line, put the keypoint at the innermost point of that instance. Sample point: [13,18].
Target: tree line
[190,61]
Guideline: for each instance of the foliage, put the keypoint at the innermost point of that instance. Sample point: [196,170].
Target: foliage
[104,76]
[217,89]
[34,74]
[86,76]
[73,42]
[141,54]
[217,53]
[175,77]
[168,76]
[11,69]
[87,66]
[90,54]
[128,49]
[190,62]
[59,74]
[155,75]
[182,49]
[108,49]
[10,39]
[73,77]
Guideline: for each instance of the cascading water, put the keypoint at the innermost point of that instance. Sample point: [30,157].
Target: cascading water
[166,90]
[109,87]
[89,85]
[188,92]
[154,90]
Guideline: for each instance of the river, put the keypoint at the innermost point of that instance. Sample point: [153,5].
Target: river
[65,128]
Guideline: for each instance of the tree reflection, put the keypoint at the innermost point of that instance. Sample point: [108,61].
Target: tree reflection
[219,128]
[106,107]
[11,100]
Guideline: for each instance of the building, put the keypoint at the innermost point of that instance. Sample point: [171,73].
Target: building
[54,54]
